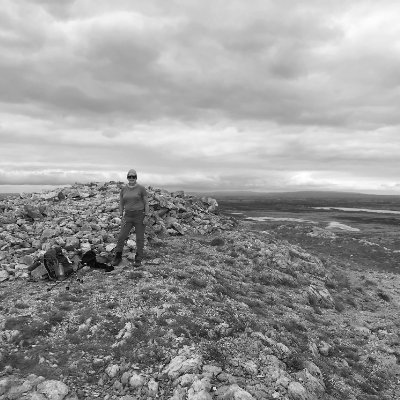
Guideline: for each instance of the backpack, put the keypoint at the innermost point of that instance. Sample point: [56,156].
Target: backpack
[91,260]
[58,266]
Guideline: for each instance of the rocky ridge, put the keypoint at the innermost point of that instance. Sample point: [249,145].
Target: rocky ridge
[84,217]
[218,312]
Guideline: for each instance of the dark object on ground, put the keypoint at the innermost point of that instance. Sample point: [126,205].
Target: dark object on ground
[91,260]
[138,261]
[217,242]
[57,265]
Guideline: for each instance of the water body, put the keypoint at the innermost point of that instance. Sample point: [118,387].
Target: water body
[332,225]
[343,227]
[349,209]
[262,219]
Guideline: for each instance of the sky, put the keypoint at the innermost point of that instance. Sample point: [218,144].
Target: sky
[205,95]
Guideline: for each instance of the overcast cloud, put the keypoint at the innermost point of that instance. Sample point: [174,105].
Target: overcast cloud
[202,95]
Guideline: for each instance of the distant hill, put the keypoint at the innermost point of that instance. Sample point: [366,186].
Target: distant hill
[4,195]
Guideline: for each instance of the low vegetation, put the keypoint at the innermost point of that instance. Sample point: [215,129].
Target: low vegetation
[236,298]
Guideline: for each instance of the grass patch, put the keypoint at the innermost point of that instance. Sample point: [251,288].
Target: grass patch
[384,296]
[65,307]
[31,328]
[21,306]
[213,352]
[135,275]
[197,283]
[217,242]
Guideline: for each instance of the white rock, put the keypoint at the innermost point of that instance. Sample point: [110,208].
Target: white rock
[85,246]
[131,243]
[3,275]
[185,380]
[47,233]
[112,370]
[324,348]
[153,387]
[296,391]
[181,365]
[21,267]
[250,367]
[311,383]
[320,296]
[125,378]
[233,392]
[71,243]
[362,330]
[16,391]
[110,247]
[136,380]
[282,350]
[53,390]
[179,394]
[200,390]
[27,259]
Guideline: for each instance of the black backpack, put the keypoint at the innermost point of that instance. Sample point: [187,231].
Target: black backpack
[57,265]
[91,260]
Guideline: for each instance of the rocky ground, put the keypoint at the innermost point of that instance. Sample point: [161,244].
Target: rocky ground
[217,311]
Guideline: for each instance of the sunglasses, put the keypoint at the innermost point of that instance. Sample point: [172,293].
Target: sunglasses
[132,176]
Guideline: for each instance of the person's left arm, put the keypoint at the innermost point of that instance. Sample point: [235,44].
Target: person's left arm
[145,202]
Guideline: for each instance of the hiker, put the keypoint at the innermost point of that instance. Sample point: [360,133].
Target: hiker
[134,210]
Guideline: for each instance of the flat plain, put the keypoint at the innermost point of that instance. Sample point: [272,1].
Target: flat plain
[363,240]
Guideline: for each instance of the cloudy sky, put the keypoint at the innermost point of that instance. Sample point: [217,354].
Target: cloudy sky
[207,95]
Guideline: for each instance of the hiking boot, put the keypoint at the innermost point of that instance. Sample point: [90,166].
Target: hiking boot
[117,259]
[138,261]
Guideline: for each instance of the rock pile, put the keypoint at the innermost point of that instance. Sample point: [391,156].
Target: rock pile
[34,387]
[86,216]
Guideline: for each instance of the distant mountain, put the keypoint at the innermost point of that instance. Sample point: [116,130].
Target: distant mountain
[4,195]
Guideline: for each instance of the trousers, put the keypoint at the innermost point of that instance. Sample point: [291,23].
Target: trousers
[130,220]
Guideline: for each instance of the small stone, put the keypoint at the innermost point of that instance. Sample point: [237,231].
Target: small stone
[117,385]
[136,381]
[233,392]
[250,367]
[324,348]
[4,275]
[27,259]
[153,387]
[71,243]
[110,247]
[112,371]
[125,378]
[131,243]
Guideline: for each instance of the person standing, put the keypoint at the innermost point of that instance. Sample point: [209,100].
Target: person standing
[134,210]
